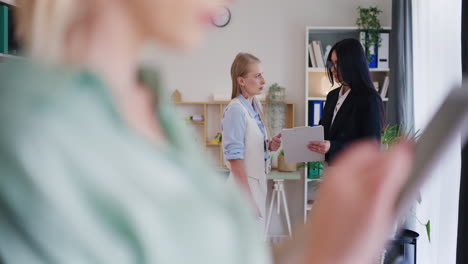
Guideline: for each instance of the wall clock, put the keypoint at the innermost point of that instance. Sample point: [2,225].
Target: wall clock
[222,17]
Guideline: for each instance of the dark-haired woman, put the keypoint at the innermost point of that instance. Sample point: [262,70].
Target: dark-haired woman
[353,111]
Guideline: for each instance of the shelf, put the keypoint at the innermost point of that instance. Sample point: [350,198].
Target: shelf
[213,144]
[316,70]
[314,180]
[9,2]
[379,70]
[323,70]
[316,98]
[198,122]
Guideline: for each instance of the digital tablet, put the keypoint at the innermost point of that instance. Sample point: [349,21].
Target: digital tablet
[447,124]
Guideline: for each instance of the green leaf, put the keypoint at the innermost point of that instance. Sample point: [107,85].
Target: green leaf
[394,134]
[428,230]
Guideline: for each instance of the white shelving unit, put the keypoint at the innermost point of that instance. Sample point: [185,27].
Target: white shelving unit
[317,84]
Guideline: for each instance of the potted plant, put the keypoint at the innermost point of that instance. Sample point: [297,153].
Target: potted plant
[276,94]
[393,134]
[283,166]
[369,24]
[390,136]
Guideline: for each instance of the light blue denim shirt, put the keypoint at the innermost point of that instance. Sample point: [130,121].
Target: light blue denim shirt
[234,125]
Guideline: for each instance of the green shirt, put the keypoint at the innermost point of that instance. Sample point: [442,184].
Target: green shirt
[77,185]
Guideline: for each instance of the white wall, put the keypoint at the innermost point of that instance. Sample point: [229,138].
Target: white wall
[273,30]
[437,68]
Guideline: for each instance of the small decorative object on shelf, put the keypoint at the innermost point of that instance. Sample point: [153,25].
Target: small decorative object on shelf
[197,118]
[218,138]
[315,169]
[176,97]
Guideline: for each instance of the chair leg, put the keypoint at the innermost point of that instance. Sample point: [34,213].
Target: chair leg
[286,210]
[278,196]
[267,228]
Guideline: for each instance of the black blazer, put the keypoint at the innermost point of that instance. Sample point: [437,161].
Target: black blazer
[359,117]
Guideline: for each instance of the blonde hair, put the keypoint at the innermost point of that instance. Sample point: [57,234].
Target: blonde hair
[43,26]
[239,68]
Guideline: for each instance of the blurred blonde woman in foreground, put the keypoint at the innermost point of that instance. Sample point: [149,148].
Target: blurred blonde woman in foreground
[95,167]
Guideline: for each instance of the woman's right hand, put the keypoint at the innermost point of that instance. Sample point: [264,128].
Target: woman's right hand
[321,147]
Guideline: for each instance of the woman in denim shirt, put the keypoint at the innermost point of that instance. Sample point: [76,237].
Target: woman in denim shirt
[245,138]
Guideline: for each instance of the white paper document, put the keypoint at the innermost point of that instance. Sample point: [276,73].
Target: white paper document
[295,141]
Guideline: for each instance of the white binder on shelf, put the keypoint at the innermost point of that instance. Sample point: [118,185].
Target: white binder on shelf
[316,113]
[295,141]
[312,56]
[383,92]
[383,52]
[318,54]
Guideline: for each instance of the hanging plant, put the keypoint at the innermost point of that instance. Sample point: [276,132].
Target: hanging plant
[369,23]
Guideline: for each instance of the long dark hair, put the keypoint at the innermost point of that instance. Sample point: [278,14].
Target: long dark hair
[352,66]
[354,70]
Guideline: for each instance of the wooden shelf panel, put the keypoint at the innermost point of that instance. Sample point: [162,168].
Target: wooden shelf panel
[214,144]
[198,122]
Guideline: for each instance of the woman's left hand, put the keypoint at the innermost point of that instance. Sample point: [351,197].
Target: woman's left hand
[275,142]
[321,147]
